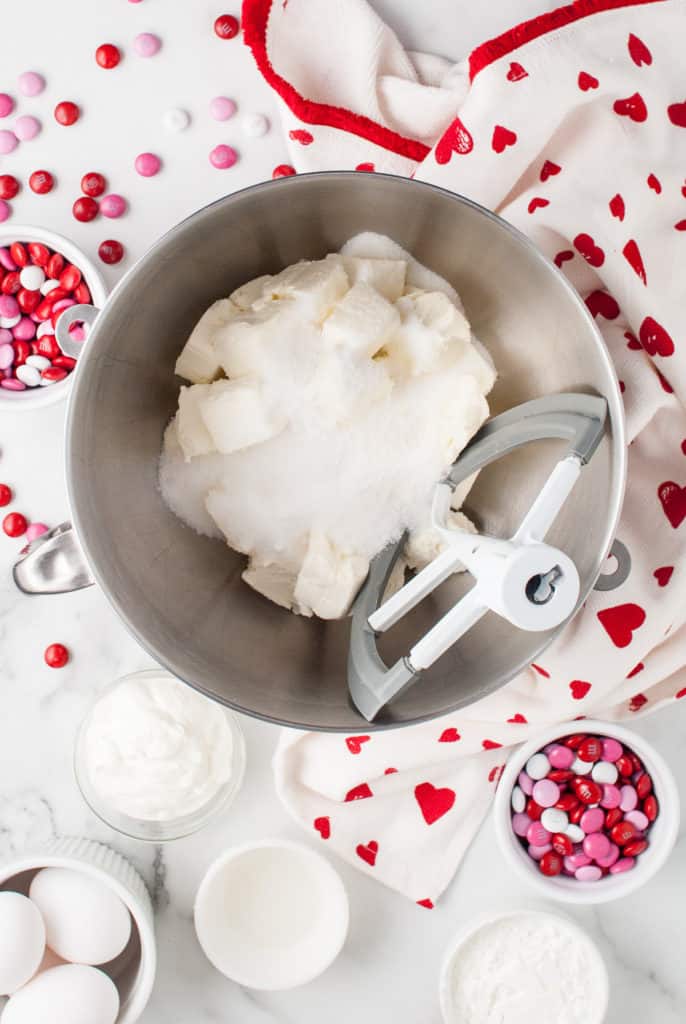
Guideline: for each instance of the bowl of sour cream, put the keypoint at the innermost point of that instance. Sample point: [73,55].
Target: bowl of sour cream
[156,760]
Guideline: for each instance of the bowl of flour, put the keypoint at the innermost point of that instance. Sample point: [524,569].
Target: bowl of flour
[523,965]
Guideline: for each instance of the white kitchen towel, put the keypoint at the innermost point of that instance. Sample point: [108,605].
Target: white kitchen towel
[573,128]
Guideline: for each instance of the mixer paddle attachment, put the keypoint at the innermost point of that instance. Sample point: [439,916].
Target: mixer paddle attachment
[530,583]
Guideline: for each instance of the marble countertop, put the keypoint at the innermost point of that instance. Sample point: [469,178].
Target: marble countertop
[388,971]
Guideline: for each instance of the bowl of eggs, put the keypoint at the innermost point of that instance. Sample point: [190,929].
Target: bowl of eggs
[77,943]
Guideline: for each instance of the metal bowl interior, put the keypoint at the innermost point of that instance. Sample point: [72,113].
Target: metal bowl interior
[181,594]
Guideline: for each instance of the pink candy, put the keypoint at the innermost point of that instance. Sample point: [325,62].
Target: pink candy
[223,157]
[8,142]
[25,329]
[147,164]
[520,824]
[625,864]
[537,835]
[592,820]
[5,210]
[546,793]
[611,797]
[6,104]
[146,44]
[35,530]
[112,205]
[628,798]
[537,852]
[526,783]
[6,356]
[612,749]
[576,861]
[561,757]
[639,819]
[590,873]
[596,845]
[9,306]
[6,260]
[610,857]
[12,384]
[26,128]
[222,108]
[31,83]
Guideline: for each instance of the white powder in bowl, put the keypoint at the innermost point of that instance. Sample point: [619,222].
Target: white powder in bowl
[527,967]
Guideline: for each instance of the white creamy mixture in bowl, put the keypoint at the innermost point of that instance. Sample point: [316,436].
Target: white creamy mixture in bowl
[155,759]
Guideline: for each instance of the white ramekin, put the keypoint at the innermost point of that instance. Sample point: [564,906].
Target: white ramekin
[35,398]
[663,832]
[232,931]
[134,979]
[481,921]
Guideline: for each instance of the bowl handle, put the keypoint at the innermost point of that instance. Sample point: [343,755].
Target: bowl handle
[53,564]
[82,313]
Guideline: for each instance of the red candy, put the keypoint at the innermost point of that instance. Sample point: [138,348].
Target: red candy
[111,251]
[22,351]
[107,56]
[14,524]
[567,802]
[634,848]
[70,277]
[650,808]
[588,792]
[644,785]
[613,817]
[577,814]
[81,293]
[53,374]
[560,775]
[39,253]
[93,184]
[283,171]
[44,310]
[9,186]
[5,495]
[562,844]
[623,833]
[575,741]
[550,863]
[624,766]
[47,346]
[66,362]
[55,265]
[41,182]
[19,254]
[28,301]
[56,655]
[11,283]
[67,113]
[85,208]
[533,810]
[590,750]
[226,26]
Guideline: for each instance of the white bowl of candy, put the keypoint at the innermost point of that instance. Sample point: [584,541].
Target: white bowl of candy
[41,275]
[587,812]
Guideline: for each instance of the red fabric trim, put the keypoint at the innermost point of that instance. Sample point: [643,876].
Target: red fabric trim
[255,20]
[492,50]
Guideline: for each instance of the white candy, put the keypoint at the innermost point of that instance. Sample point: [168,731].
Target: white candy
[44,328]
[361,322]
[605,772]
[329,579]
[554,820]
[575,833]
[176,120]
[255,125]
[198,361]
[580,767]
[518,800]
[236,416]
[31,278]
[48,285]
[28,375]
[40,362]
[537,767]
[10,321]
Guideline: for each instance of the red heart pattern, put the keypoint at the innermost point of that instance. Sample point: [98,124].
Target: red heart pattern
[361,792]
[302,136]
[369,168]
[653,182]
[620,622]
[541,671]
[390,771]
[518,719]
[425,903]
[367,852]
[495,773]
[536,203]
[323,826]
[680,225]
[490,744]
[655,339]
[637,702]
[663,575]
[632,341]
[676,112]
[638,51]
[673,501]
[579,688]
[635,670]
[516,72]
[549,169]
[354,743]
[586,81]
[502,138]
[450,735]
[666,386]
[591,252]
[680,693]
[563,257]
[632,254]
[602,304]
[456,139]
[633,107]
[433,802]
[617,208]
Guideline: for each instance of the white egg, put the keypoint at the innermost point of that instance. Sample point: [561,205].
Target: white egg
[70,994]
[85,922]
[22,941]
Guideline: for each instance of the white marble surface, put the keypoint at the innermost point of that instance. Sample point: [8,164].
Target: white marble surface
[388,971]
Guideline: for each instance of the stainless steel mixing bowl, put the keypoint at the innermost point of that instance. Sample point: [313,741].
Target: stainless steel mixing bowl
[180,594]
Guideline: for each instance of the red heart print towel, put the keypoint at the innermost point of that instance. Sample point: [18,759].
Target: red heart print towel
[572,127]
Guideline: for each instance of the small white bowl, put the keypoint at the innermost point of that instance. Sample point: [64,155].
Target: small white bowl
[663,832]
[271,915]
[34,398]
[484,920]
[133,972]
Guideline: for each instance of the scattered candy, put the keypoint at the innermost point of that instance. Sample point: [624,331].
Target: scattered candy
[223,157]
[30,83]
[222,108]
[107,56]
[112,205]
[283,171]
[5,495]
[255,125]
[14,524]
[85,208]
[111,251]
[9,186]
[41,182]
[8,142]
[35,530]
[5,210]
[176,120]
[147,164]
[147,44]
[56,655]
[93,184]
[584,806]
[226,26]
[6,104]
[27,128]
[67,113]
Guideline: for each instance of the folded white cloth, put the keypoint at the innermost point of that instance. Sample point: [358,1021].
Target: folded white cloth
[572,127]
